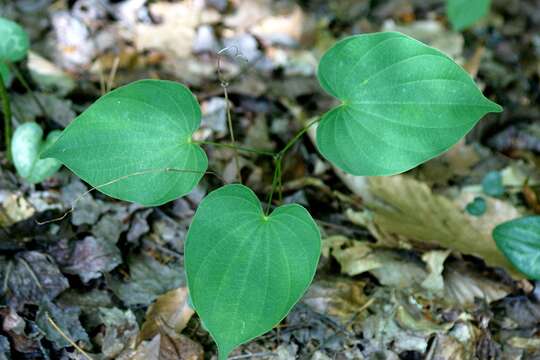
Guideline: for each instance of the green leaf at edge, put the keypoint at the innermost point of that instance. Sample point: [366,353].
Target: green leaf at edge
[14,41]
[134,143]
[464,13]
[245,270]
[519,240]
[402,103]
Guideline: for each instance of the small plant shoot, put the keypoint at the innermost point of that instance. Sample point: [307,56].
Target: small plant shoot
[246,269]
[134,143]
[464,13]
[402,103]
[26,145]
[14,45]
[519,240]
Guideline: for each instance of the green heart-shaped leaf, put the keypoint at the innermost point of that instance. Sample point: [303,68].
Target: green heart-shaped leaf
[519,240]
[26,145]
[134,143]
[464,13]
[246,270]
[403,103]
[14,42]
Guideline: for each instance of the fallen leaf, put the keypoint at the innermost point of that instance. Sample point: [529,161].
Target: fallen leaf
[148,279]
[341,298]
[30,278]
[91,257]
[457,283]
[175,32]
[67,319]
[446,348]
[405,207]
[48,76]
[14,208]
[283,29]
[166,347]
[120,331]
[171,309]
[435,266]
[433,33]
[463,285]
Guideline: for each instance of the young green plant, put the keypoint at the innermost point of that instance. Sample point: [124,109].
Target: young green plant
[14,44]
[25,144]
[401,104]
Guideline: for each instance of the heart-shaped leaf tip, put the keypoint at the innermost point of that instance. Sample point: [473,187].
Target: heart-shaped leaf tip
[134,143]
[246,270]
[519,240]
[402,103]
[26,145]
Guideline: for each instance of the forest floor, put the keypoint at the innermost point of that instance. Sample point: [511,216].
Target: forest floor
[397,278]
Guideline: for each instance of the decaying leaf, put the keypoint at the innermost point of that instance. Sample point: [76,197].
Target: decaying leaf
[120,331]
[14,208]
[30,278]
[456,283]
[404,208]
[66,319]
[175,33]
[148,279]
[434,261]
[91,257]
[337,297]
[171,309]
[166,346]
[433,33]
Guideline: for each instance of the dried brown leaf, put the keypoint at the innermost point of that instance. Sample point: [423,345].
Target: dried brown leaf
[405,207]
[171,310]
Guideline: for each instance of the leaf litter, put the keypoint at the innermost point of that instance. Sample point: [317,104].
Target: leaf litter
[407,271]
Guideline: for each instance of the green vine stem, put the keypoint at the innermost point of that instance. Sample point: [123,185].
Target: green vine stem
[6,109]
[225,84]
[278,159]
[236,147]
[24,83]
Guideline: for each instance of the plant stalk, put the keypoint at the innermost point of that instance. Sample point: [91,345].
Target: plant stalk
[235,147]
[231,131]
[24,83]
[276,181]
[6,109]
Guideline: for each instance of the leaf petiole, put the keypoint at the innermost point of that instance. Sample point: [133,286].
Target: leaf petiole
[276,181]
[6,109]
[235,147]
[24,83]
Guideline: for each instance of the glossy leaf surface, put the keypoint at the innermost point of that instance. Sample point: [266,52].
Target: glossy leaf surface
[403,103]
[519,240]
[14,42]
[245,271]
[134,143]
[26,144]
[464,13]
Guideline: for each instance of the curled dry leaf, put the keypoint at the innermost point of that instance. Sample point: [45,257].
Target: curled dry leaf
[166,347]
[171,310]
[456,283]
